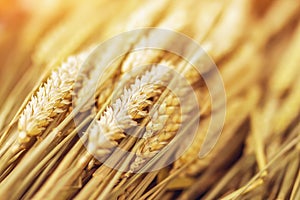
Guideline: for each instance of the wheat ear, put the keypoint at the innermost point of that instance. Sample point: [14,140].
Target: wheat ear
[154,140]
[52,98]
[164,124]
[107,132]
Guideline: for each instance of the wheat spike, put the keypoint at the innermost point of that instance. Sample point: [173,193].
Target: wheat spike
[153,143]
[163,125]
[157,122]
[106,132]
[52,98]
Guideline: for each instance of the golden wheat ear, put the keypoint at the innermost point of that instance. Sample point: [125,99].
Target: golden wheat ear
[124,113]
[52,98]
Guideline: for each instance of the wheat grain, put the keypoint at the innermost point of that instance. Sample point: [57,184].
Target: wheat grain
[52,98]
[157,122]
[106,133]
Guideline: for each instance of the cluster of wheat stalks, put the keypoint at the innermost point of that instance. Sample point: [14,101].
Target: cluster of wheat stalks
[44,104]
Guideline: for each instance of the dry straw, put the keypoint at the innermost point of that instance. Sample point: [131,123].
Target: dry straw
[255,44]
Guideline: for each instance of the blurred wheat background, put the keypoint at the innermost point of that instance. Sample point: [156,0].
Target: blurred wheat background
[255,45]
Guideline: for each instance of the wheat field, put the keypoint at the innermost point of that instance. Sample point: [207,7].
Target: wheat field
[89,111]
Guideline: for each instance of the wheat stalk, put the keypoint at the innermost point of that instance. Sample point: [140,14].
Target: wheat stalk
[50,48]
[193,150]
